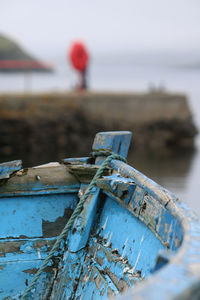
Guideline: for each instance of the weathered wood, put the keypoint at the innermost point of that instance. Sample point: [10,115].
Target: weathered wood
[83,224]
[112,141]
[85,173]
[40,179]
[8,168]
[115,242]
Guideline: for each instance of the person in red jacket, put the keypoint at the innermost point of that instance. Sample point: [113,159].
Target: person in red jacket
[79,59]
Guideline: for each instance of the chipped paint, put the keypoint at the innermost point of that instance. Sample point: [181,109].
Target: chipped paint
[54,228]
[8,168]
[104,225]
[83,224]
[131,230]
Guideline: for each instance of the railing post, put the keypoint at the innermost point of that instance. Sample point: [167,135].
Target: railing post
[113,141]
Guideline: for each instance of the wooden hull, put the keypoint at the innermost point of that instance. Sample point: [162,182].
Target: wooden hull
[132,236]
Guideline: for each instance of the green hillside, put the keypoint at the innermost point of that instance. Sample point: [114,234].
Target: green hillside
[10,50]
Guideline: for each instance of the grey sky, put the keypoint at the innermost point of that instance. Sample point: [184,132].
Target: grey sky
[48,26]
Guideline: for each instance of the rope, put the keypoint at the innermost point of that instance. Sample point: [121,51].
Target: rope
[76,212]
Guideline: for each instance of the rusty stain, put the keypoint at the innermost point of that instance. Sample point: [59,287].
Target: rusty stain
[1,267]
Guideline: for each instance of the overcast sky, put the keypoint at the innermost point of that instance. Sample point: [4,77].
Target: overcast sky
[48,26]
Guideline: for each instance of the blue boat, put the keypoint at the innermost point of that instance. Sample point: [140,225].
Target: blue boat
[95,228]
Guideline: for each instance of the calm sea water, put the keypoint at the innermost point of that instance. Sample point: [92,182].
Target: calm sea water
[179,174]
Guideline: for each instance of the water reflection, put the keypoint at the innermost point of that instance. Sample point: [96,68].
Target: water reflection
[178,173]
[162,169]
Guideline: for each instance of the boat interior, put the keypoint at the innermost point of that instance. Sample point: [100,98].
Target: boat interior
[123,235]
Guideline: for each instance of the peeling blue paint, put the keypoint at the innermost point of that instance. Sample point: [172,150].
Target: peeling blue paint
[132,237]
[24,216]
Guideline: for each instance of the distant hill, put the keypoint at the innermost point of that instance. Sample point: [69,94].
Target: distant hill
[14,59]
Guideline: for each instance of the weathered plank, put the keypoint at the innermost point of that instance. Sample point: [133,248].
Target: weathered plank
[113,141]
[85,173]
[40,180]
[8,168]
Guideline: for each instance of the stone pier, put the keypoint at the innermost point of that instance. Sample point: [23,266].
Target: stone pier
[43,127]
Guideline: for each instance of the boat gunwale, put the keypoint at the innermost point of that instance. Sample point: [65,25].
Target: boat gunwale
[183,269]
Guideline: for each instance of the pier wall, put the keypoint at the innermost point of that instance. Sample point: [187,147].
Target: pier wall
[42,127]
